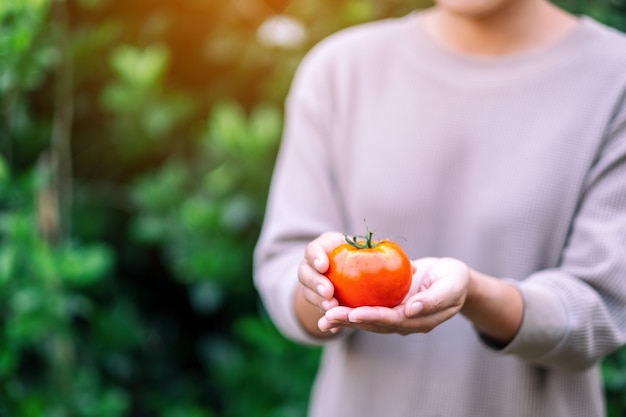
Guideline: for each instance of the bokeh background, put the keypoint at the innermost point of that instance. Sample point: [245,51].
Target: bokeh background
[137,140]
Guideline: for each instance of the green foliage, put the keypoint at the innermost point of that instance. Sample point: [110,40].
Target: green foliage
[204,211]
[44,366]
[258,359]
[25,56]
[145,113]
[614,375]
[148,308]
[23,52]
[210,202]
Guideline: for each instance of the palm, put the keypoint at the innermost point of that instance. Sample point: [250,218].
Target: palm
[439,286]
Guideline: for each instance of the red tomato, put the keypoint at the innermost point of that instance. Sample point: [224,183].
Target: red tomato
[369,273]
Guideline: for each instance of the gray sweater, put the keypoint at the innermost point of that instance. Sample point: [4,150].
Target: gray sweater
[515,165]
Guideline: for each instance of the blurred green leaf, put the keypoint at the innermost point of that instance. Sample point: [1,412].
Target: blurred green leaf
[221,180]
[5,174]
[160,118]
[8,361]
[119,327]
[149,229]
[118,97]
[108,403]
[21,63]
[162,191]
[266,126]
[198,214]
[187,410]
[17,226]
[614,377]
[142,68]
[27,300]
[359,11]
[8,263]
[43,263]
[84,265]
[262,335]
[228,127]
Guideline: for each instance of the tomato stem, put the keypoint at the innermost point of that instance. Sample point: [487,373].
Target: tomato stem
[357,241]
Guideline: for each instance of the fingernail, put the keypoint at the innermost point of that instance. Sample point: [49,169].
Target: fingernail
[321,289]
[316,263]
[416,308]
[354,318]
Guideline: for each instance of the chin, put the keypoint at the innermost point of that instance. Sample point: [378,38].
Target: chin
[473,8]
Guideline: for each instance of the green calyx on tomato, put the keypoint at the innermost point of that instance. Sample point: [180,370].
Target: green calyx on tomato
[354,241]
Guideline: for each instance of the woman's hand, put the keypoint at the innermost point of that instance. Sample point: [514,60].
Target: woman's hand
[438,292]
[315,294]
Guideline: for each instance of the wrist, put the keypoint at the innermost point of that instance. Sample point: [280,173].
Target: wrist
[494,306]
[478,293]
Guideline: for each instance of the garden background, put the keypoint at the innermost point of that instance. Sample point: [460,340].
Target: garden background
[137,140]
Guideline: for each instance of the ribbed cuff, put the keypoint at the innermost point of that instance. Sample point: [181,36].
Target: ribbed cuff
[544,324]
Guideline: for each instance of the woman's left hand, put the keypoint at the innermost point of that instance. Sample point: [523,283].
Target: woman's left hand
[438,292]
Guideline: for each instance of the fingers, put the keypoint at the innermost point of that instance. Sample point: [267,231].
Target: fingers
[436,301]
[382,320]
[318,290]
[380,315]
[316,252]
[334,319]
[443,286]
[373,319]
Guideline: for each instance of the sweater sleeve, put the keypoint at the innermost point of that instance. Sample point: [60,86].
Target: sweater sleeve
[575,314]
[302,201]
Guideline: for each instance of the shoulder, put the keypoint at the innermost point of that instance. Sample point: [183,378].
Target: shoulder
[365,35]
[608,33]
[357,45]
[607,43]
[597,58]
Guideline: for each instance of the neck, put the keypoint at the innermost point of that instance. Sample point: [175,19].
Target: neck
[518,26]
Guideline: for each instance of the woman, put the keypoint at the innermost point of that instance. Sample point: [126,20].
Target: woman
[491,135]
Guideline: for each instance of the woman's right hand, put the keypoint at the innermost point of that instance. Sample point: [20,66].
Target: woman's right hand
[315,288]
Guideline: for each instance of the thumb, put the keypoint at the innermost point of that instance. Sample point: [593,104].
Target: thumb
[317,251]
[426,301]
